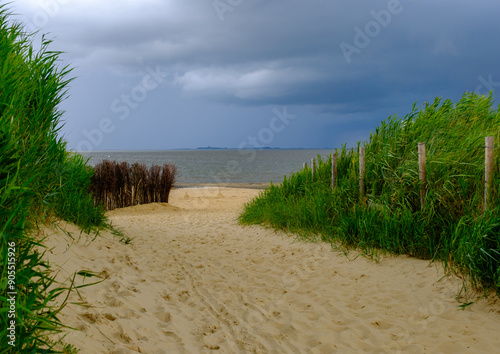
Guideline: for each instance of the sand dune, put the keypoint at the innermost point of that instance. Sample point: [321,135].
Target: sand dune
[194,281]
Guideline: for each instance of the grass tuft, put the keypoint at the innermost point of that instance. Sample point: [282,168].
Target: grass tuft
[451,226]
[40,182]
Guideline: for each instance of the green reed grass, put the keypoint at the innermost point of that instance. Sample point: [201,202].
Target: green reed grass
[451,226]
[39,182]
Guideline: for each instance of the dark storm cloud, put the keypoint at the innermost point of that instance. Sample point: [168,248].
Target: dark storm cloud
[335,57]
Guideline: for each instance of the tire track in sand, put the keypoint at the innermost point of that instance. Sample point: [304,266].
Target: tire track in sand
[220,314]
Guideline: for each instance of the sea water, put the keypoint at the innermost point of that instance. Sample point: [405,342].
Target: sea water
[220,165]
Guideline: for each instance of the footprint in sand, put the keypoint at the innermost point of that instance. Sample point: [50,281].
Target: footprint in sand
[111,301]
[209,329]
[211,337]
[164,316]
[122,336]
[125,293]
[109,317]
[211,347]
[89,317]
[184,296]
[173,338]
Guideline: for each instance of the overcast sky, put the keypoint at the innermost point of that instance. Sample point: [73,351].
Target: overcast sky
[163,74]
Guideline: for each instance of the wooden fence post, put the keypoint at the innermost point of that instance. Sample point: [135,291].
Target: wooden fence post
[313,167]
[361,173]
[488,169]
[422,173]
[334,170]
[304,166]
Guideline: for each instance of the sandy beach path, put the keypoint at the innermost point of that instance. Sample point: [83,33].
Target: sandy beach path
[194,281]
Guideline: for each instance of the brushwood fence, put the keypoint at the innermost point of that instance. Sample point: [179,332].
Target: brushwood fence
[488,171]
[119,185]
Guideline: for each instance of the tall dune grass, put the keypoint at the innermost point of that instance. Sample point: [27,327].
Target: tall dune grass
[119,185]
[39,182]
[451,226]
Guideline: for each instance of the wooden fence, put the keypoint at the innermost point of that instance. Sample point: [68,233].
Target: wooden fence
[488,175]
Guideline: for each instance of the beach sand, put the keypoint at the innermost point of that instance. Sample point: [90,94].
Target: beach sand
[194,281]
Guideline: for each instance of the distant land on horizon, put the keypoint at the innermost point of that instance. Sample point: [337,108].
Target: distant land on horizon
[257,148]
[226,148]
[201,148]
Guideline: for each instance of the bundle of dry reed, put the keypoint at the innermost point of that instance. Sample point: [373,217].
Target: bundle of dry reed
[119,185]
